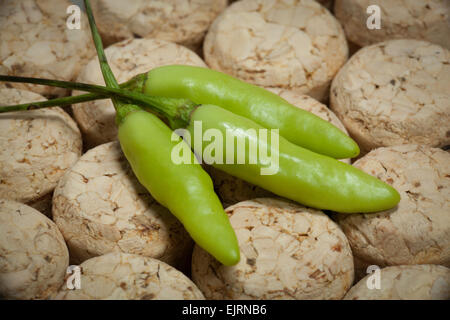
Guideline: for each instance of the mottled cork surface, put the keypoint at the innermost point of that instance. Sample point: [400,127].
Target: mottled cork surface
[399,19]
[36,42]
[120,276]
[33,254]
[36,148]
[419,282]
[393,93]
[181,21]
[417,231]
[295,45]
[287,252]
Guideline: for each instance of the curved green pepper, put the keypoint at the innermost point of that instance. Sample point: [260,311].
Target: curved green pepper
[185,189]
[206,86]
[304,176]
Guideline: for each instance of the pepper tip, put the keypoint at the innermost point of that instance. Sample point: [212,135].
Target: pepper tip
[232,259]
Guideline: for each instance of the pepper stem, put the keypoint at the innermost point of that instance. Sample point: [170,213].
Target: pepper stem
[107,73]
[177,111]
[52,103]
[132,84]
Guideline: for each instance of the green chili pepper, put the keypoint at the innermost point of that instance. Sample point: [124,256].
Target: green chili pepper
[186,190]
[206,86]
[304,176]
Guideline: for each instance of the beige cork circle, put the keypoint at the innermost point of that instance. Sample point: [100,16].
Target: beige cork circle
[35,41]
[127,59]
[36,148]
[33,253]
[100,207]
[180,21]
[416,282]
[296,45]
[395,92]
[399,19]
[122,276]
[287,252]
[417,231]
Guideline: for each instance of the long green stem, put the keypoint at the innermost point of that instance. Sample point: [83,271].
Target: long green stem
[52,103]
[58,83]
[107,73]
[177,111]
[65,101]
[74,86]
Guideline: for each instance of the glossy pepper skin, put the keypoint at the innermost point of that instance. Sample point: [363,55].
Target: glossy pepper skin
[304,176]
[185,189]
[206,86]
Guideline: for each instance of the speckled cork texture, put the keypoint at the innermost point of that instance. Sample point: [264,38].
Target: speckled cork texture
[399,19]
[419,282]
[36,148]
[36,42]
[100,207]
[296,45]
[393,93]
[33,255]
[232,190]
[417,231]
[180,21]
[127,59]
[287,252]
[120,276]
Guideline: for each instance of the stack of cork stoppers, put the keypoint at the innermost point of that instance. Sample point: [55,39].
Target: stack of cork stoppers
[69,197]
